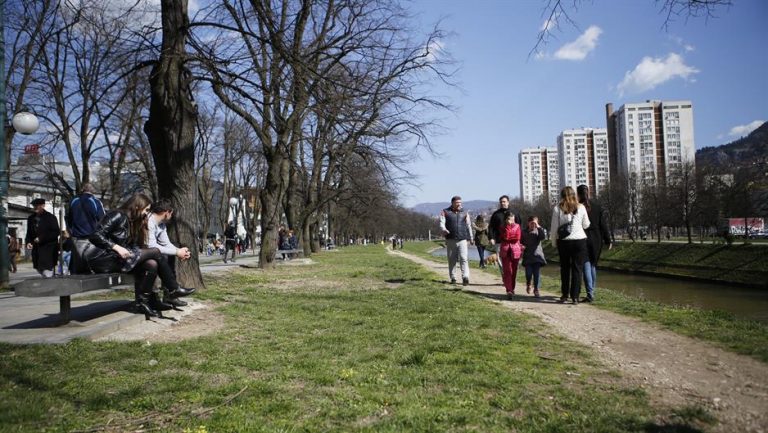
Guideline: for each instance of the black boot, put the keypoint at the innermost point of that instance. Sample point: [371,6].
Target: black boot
[175,302]
[157,304]
[142,307]
[181,292]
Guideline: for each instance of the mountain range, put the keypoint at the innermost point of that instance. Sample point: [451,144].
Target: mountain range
[473,206]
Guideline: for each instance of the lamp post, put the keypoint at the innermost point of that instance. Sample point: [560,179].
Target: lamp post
[24,123]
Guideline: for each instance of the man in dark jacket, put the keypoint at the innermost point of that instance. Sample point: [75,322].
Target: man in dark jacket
[43,238]
[85,213]
[498,219]
[597,235]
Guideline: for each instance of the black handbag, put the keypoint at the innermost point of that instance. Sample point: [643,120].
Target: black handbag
[564,230]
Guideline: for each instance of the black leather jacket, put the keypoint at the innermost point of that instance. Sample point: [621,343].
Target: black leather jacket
[113,229]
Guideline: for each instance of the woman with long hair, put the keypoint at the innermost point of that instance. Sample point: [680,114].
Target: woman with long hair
[597,234]
[120,245]
[569,220]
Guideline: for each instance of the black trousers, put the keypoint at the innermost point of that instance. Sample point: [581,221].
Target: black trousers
[573,255]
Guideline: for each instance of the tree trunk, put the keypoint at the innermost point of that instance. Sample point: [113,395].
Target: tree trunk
[271,206]
[171,133]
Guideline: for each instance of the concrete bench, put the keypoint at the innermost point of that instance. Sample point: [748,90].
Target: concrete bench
[279,253]
[67,285]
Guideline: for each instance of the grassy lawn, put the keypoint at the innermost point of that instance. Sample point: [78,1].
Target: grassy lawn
[747,337]
[358,341]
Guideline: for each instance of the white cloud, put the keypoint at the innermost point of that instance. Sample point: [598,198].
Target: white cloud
[583,45]
[434,50]
[743,130]
[651,72]
[549,23]
[688,47]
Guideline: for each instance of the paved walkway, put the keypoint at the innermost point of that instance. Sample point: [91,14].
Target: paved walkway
[677,370]
[34,320]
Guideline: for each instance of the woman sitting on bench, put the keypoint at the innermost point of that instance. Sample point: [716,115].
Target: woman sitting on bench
[119,245]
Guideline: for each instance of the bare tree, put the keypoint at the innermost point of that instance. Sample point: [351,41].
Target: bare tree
[559,11]
[682,190]
[170,129]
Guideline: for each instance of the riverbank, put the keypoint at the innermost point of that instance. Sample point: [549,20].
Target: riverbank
[739,335]
[353,340]
[744,265]
[670,367]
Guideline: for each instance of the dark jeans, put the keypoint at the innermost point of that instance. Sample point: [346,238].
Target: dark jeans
[573,254]
[481,253]
[533,271]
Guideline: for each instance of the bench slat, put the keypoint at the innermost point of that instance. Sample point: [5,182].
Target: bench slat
[69,284]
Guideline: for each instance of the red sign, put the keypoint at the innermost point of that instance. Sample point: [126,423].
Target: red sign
[31,149]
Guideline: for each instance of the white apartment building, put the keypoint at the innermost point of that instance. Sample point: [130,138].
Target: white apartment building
[584,158]
[651,138]
[539,173]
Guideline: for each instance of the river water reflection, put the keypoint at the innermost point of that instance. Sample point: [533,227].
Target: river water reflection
[743,302]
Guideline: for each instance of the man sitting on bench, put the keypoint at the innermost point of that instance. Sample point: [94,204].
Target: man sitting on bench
[160,213]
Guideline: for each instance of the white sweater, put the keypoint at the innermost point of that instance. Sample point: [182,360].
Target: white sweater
[580,223]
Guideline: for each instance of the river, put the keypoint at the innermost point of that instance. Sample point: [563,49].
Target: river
[743,302]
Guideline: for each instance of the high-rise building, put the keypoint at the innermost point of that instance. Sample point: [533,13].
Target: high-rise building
[584,158]
[650,139]
[539,173]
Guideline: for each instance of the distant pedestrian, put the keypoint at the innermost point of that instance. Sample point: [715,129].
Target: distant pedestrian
[230,241]
[597,235]
[43,238]
[13,249]
[533,254]
[457,229]
[569,220]
[482,241]
[510,251]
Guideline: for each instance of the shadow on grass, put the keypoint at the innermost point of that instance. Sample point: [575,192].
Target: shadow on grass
[671,428]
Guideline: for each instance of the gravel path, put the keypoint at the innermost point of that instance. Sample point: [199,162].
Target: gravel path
[674,369]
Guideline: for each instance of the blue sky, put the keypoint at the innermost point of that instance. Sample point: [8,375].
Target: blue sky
[619,53]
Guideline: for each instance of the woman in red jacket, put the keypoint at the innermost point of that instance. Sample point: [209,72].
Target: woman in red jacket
[510,251]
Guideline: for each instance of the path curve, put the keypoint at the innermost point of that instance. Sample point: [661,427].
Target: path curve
[674,369]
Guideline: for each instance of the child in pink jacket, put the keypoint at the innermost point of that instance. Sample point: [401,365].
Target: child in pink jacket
[510,251]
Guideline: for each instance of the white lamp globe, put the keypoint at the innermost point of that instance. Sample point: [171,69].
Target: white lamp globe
[25,123]
[233,201]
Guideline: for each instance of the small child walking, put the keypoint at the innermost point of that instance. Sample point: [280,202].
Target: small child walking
[510,251]
[533,254]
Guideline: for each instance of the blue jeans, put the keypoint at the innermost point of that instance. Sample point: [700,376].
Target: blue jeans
[533,270]
[481,253]
[590,279]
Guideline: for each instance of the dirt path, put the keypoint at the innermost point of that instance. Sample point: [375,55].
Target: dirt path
[675,369]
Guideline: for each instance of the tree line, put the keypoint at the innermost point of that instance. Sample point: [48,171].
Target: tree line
[310,109]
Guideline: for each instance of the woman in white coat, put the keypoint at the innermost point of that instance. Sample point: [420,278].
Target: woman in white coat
[569,220]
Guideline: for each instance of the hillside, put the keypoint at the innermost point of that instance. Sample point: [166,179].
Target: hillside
[473,206]
[746,151]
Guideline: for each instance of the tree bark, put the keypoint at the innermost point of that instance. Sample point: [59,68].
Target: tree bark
[171,133]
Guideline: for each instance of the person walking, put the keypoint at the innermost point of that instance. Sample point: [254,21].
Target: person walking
[43,238]
[510,251]
[597,235]
[569,220]
[456,226]
[230,240]
[13,249]
[533,254]
[85,212]
[497,220]
[482,241]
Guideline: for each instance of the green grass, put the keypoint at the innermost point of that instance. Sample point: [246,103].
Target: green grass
[358,341]
[747,337]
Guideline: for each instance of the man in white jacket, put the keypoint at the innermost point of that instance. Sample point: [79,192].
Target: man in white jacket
[160,213]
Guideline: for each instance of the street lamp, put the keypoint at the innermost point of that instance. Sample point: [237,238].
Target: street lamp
[25,123]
